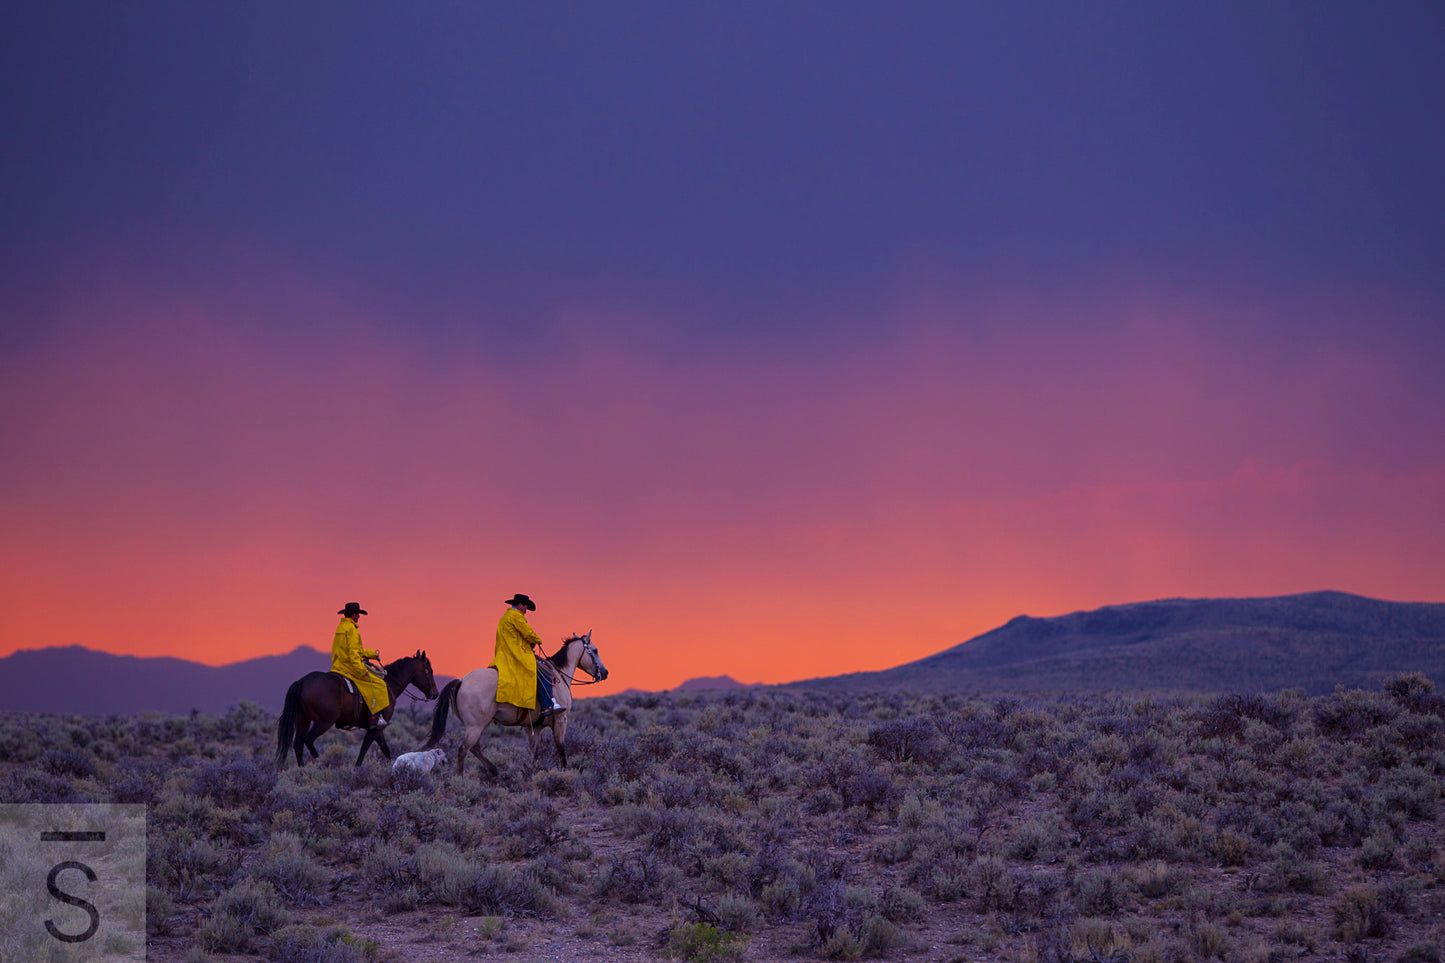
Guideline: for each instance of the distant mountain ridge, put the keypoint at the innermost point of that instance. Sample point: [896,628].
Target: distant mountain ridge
[80,680]
[711,683]
[1311,642]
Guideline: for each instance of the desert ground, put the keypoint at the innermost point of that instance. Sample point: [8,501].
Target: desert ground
[770,824]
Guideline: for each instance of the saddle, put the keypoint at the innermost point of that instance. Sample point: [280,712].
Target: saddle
[359,710]
[545,667]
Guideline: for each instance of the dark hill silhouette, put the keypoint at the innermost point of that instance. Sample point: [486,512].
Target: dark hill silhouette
[709,683]
[1311,642]
[76,679]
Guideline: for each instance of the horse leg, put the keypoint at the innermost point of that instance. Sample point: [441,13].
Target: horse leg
[491,768]
[303,723]
[534,741]
[487,762]
[371,735]
[559,736]
[317,728]
[470,740]
[381,744]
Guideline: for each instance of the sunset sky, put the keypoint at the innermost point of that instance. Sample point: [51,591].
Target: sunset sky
[774,340]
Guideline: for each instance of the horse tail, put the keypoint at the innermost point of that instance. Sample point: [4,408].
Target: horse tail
[286,728]
[439,717]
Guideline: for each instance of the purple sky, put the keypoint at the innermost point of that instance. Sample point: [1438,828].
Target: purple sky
[1012,307]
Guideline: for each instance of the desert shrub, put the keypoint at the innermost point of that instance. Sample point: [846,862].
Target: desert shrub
[945,879]
[554,872]
[673,791]
[443,871]
[68,763]
[1395,895]
[824,800]
[905,740]
[1209,941]
[1415,692]
[287,866]
[633,877]
[917,811]
[19,742]
[39,786]
[1292,872]
[1296,755]
[738,914]
[701,943]
[325,810]
[1038,839]
[302,943]
[854,782]
[1101,891]
[537,830]
[557,782]
[871,936]
[138,781]
[901,905]
[243,912]
[1344,822]
[785,894]
[847,925]
[1409,790]
[506,891]
[990,882]
[1377,850]
[239,782]
[1160,880]
[185,867]
[1358,915]
[1350,712]
[160,912]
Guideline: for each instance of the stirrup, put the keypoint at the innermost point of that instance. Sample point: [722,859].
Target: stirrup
[378,722]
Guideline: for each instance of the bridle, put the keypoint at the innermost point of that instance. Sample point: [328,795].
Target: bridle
[587,646]
[411,684]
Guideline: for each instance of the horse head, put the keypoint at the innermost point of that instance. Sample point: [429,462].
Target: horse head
[591,661]
[422,676]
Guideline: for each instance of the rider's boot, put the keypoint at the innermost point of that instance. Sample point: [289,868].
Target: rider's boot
[378,721]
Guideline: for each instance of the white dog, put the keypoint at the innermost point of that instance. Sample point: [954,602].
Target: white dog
[418,761]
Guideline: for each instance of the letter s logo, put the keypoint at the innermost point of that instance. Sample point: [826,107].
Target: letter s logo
[65,897]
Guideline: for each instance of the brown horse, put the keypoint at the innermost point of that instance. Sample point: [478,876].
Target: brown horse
[319,700]
[474,696]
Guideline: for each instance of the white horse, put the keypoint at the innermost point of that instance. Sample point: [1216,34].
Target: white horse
[474,697]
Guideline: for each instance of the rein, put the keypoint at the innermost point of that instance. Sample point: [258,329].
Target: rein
[411,684]
[571,679]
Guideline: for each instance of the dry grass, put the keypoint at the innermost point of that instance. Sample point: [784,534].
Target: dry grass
[771,825]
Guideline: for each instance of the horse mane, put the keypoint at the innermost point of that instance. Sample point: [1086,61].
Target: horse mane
[416,657]
[559,658]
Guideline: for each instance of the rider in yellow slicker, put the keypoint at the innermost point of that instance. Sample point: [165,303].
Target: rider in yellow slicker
[346,656]
[515,662]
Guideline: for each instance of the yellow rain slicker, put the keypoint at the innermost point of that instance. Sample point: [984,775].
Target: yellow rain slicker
[515,662]
[346,656]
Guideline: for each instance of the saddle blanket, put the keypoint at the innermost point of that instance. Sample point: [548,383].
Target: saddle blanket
[419,761]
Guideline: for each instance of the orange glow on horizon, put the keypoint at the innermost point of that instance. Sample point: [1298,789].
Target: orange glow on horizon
[179,488]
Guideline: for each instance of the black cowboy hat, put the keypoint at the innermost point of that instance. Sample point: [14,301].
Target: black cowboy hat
[352,607]
[520,599]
